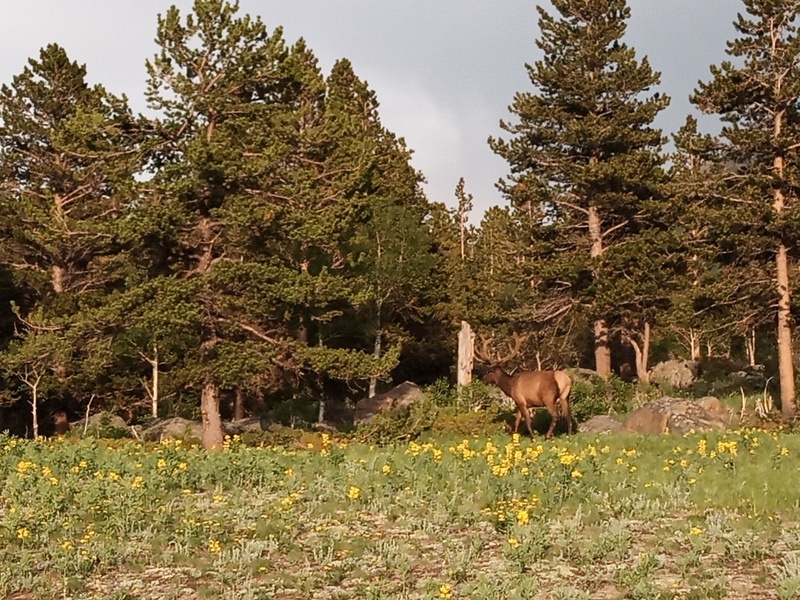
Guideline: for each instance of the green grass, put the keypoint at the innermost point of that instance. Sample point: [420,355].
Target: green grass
[701,516]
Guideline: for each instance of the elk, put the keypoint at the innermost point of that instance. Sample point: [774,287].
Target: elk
[528,389]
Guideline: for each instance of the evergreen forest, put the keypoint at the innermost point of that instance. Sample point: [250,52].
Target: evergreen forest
[261,239]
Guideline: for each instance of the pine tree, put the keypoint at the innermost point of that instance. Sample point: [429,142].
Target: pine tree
[267,173]
[756,98]
[585,147]
[68,155]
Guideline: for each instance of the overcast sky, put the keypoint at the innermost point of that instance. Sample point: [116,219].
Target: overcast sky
[444,71]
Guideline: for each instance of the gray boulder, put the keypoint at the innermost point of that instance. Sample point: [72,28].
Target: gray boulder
[677,415]
[399,399]
[173,428]
[679,374]
[600,424]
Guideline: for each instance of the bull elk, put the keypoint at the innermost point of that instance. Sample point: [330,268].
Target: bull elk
[529,389]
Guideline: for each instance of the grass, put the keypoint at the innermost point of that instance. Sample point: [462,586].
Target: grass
[628,517]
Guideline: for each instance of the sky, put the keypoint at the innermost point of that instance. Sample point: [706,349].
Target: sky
[444,71]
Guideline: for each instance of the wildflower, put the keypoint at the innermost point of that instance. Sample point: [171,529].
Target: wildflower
[354,492]
[576,474]
[23,533]
[513,542]
[386,469]
[214,546]
[523,518]
[289,472]
[67,545]
[161,463]
[784,451]
[695,531]
[445,591]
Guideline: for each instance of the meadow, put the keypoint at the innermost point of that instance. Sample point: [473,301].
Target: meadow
[441,517]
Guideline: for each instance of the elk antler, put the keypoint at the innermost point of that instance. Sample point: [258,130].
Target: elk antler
[485,355]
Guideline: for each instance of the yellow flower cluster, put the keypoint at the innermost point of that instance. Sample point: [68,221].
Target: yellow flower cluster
[415,449]
[516,510]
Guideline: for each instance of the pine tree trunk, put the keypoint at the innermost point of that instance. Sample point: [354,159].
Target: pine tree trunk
[642,355]
[602,349]
[212,421]
[154,394]
[750,346]
[376,352]
[694,343]
[58,278]
[785,365]
[35,409]
[373,381]
[238,405]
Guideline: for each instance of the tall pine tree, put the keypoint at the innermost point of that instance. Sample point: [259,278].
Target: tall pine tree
[756,97]
[585,147]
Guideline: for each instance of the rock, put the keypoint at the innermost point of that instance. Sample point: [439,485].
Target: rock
[398,399]
[677,415]
[600,424]
[173,428]
[102,421]
[713,405]
[241,426]
[674,373]
[646,420]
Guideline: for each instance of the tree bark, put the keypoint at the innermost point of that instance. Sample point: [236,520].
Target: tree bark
[35,408]
[642,354]
[785,365]
[466,354]
[376,352]
[750,346]
[212,422]
[58,277]
[238,405]
[602,349]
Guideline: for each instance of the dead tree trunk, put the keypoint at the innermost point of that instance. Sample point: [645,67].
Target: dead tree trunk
[642,354]
[466,354]
[238,405]
[602,349]
[212,422]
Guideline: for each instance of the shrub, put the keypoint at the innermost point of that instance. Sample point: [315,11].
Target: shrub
[392,426]
[593,395]
[473,396]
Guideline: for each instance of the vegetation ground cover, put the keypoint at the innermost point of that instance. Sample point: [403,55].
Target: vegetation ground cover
[700,516]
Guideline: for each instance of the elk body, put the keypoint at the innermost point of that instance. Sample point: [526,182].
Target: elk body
[535,389]
[530,389]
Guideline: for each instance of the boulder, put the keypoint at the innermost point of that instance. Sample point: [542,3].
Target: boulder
[714,406]
[240,427]
[173,428]
[397,400]
[102,421]
[600,424]
[678,374]
[647,420]
[677,415]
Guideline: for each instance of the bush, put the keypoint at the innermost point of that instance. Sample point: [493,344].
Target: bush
[593,395]
[393,426]
[474,396]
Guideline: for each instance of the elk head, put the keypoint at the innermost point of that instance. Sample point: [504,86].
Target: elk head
[485,354]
